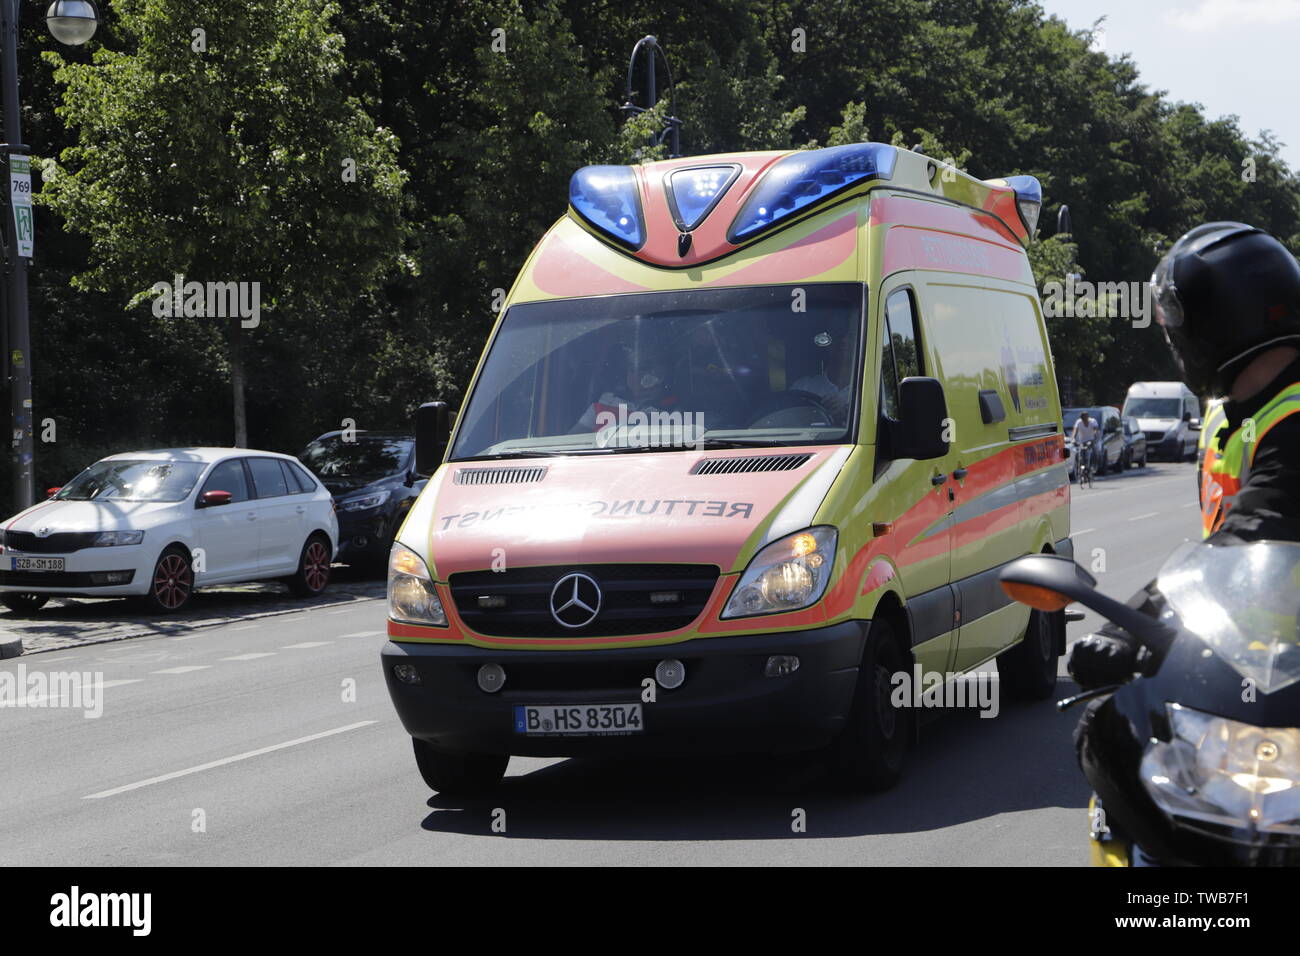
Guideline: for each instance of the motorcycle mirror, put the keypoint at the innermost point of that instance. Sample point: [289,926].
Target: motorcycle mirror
[1048,582]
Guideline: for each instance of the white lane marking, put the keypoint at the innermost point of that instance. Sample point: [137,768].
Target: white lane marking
[249,657]
[304,644]
[183,670]
[34,701]
[363,634]
[1075,534]
[1149,514]
[1191,504]
[187,637]
[244,627]
[227,760]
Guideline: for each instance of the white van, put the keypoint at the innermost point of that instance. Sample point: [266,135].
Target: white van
[1169,413]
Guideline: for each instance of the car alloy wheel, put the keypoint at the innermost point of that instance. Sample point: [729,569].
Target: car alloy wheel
[316,566]
[173,581]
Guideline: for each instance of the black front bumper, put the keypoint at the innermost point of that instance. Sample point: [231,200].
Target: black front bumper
[726,704]
[364,538]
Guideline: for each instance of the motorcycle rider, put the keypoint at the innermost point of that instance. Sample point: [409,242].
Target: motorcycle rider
[1228,298]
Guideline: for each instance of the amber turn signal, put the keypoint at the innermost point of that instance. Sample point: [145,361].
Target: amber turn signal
[1043,599]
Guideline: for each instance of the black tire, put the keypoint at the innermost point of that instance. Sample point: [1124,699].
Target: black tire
[871,750]
[171,589]
[23,603]
[1128,461]
[313,574]
[463,774]
[1028,670]
[1143,462]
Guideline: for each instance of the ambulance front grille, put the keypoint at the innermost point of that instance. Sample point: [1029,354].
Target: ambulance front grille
[635,599]
[510,475]
[741,466]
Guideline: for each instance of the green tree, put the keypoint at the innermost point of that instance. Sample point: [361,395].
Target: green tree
[220,146]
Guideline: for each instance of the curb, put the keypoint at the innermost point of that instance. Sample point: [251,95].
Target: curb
[10,646]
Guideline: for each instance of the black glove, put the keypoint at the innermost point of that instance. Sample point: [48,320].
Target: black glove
[1101,659]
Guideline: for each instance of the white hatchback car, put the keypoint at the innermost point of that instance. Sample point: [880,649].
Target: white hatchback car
[158,524]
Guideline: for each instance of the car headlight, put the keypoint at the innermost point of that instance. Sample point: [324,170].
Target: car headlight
[107,539]
[1227,773]
[411,595]
[789,574]
[364,503]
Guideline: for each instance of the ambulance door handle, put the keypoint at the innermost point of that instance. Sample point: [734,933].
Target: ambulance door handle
[959,474]
[938,479]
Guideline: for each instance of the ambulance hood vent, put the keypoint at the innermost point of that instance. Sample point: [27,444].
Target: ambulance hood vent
[742,466]
[510,475]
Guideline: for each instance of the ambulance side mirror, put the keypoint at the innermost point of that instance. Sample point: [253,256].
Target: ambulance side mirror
[432,429]
[924,426]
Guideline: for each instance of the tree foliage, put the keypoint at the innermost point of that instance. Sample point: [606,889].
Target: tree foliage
[466,118]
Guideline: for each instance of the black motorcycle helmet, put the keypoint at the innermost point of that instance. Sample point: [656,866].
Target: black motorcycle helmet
[1225,292]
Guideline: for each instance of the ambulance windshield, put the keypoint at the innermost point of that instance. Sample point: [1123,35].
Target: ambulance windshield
[659,371]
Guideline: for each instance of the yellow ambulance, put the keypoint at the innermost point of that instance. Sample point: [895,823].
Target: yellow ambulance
[752,437]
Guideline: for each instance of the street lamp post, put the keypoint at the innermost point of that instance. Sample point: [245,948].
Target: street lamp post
[672,125]
[72,22]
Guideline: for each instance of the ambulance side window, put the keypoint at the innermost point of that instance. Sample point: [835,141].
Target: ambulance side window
[900,357]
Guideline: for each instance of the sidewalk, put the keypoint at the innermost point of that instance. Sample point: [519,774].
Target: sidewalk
[76,622]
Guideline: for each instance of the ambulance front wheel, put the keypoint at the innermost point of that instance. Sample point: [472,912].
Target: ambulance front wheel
[458,774]
[870,751]
[1028,670]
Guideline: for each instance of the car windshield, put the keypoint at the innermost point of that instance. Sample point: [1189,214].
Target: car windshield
[133,481]
[1244,602]
[771,365]
[1154,407]
[363,457]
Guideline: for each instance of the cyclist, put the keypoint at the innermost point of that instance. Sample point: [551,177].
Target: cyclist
[1084,436]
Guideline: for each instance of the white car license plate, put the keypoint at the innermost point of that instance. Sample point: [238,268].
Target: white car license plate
[578,720]
[38,564]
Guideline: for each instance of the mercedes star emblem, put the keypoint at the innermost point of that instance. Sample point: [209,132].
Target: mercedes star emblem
[575,600]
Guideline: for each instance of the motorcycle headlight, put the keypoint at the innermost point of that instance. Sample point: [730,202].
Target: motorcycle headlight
[364,503]
[789,574]
[411,595]
[108,539]
[1226,773]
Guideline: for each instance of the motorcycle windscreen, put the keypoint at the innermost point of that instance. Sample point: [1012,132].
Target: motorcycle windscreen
[1243,601]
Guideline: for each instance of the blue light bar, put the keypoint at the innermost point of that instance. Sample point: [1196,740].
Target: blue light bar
[692,193]
[606,197]
[802,179]
[1029,199]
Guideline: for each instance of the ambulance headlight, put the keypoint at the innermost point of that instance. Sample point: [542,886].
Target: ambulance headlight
[789,574]
[411,595]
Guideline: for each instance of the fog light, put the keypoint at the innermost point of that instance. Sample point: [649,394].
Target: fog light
[491,678]
[670,674]
[781,665]
[406,673]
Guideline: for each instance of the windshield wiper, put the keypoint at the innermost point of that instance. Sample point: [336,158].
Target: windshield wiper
[740,443]
[514,454]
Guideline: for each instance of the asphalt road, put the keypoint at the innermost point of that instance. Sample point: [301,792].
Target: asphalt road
[273,742]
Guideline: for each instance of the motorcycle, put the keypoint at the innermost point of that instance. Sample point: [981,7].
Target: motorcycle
[1193,754]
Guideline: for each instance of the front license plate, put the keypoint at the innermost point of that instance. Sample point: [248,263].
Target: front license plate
[38,564]
[578,720]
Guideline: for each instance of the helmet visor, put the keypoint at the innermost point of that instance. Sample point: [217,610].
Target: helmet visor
[1164,291]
